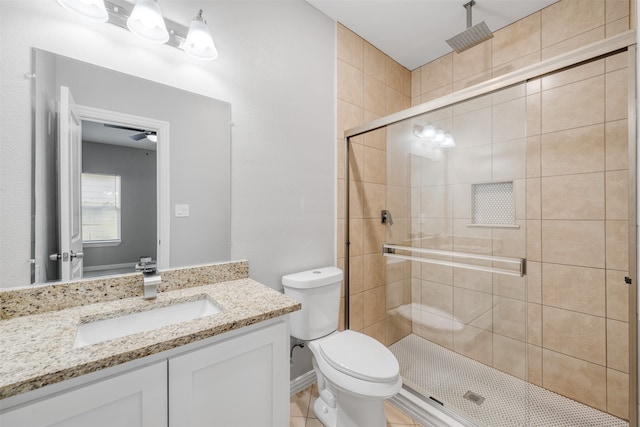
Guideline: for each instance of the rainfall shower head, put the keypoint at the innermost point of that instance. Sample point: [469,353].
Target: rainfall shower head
[472,36]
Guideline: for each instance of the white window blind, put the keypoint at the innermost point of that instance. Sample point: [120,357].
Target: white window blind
[100,208]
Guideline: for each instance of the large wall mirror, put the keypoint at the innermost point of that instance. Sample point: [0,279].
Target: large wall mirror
[124,168]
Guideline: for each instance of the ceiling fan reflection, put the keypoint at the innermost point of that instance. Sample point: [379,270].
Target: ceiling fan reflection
[140,133]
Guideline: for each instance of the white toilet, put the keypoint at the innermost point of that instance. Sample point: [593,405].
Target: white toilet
[355,372]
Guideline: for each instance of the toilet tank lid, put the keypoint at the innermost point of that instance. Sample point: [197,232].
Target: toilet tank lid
[313,278]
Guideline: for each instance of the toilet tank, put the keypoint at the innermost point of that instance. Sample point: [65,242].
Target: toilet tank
[318,291]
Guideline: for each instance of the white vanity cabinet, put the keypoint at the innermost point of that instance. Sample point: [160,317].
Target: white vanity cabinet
[239,382]
[137,398]
[240,378]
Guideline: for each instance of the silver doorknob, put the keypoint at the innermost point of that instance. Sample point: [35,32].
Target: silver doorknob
[78,255]
[54,257]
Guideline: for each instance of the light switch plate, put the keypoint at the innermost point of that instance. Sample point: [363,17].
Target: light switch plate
[182,211]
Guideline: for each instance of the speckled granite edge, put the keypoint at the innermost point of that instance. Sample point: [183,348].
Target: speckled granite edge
[39,350]
[195,276]
[29,300]
[127,356]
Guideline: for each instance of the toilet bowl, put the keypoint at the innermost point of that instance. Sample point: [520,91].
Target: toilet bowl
[355,372]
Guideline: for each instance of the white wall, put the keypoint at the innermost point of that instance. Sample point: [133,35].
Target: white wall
[276,68]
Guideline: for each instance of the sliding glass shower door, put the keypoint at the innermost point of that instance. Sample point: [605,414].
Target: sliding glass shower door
[506,245]
[457,191]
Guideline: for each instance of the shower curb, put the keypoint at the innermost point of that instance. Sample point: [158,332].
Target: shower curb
[429,414]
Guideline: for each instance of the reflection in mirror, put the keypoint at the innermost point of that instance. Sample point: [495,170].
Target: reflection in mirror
[118,197]
[114,156]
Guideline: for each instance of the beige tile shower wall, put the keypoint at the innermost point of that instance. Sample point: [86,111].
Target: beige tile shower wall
[561,27]
[370,85]
[577,180]
[576,329]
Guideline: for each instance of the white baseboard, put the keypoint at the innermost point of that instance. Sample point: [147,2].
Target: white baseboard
[131,265]
[302,382]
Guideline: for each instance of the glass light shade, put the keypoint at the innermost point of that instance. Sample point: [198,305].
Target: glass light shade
[439,136]
[146,21]
[199,42]
[93,10]
[448,141]
[427,131]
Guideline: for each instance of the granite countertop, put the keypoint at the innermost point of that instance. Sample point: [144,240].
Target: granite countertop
[37,349]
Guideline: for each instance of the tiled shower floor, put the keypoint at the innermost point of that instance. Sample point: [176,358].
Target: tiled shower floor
[509,401]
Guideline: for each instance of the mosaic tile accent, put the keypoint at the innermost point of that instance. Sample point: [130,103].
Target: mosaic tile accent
[493,204]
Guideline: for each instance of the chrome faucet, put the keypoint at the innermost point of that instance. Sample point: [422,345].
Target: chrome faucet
[151,277]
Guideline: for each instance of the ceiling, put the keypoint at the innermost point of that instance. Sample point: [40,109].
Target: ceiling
[98,132]
[413,32]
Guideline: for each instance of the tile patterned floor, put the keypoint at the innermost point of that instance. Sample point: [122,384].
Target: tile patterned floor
[509,402]
[302,415]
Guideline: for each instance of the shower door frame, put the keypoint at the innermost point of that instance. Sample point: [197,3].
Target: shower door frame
[623,42]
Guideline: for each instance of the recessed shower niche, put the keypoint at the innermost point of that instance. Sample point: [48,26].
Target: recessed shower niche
[493,204]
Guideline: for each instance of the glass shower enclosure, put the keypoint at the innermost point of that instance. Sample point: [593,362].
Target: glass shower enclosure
[505,242]
[462,169]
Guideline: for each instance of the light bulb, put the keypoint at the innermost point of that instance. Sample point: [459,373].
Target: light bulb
[428,131]
[448,141]
[199,42]
[425,131]
[146,21]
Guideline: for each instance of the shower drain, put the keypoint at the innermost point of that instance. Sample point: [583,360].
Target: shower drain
[474,397]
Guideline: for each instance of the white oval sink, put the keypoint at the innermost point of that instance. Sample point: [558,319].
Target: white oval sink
[121,326]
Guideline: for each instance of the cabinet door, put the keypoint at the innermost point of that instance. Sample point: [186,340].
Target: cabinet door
[240,382]
[134,399]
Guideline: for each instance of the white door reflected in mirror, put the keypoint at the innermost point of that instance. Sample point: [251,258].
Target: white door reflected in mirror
[69,182]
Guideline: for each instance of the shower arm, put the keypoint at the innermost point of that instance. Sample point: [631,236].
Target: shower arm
[468,7]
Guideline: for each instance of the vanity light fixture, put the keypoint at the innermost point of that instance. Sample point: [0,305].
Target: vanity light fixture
[448,141]
[426,131]
[94,10]
[145,20]
[199,43]
[434,135]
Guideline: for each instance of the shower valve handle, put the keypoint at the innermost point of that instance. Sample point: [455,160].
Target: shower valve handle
[385,217]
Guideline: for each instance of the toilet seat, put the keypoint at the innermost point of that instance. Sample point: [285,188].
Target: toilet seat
[360,356]
[366,389]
